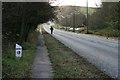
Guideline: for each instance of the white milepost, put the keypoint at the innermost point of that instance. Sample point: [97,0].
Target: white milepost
[18,51]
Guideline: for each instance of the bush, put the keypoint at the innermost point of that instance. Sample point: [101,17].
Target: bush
[56,26]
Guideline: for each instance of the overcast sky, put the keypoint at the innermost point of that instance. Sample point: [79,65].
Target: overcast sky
[91,3]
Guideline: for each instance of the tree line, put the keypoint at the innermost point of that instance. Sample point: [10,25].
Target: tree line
[103,20]
[106,19]
[19,18]
[70,16]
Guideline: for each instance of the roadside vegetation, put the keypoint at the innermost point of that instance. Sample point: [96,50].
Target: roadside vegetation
[20,67]
[102,21]
[19,21]
[67,64]
[105,21]
[56,26]
[100,33]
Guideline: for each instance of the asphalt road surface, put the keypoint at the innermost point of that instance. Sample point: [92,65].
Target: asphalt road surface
[99,51]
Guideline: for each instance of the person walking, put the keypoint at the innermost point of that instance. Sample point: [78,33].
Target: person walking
[51,28]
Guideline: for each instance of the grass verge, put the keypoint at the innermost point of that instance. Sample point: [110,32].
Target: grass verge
[67,64]
[108,34]
[20,67]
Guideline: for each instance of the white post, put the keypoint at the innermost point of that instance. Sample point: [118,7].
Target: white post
[18,51]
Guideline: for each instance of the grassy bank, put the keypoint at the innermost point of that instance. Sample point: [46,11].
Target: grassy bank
[20,67]
[56,26]
[112,34]
[67,64]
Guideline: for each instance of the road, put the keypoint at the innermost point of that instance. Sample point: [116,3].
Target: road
[99,51]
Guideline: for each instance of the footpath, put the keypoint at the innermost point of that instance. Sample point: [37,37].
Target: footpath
[42,66]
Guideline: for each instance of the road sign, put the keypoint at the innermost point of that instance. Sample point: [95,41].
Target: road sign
[18,51]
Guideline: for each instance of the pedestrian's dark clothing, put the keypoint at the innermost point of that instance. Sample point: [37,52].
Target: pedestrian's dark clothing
[51,29]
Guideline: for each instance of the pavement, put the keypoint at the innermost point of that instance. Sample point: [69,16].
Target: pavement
[99,51]
[42,66]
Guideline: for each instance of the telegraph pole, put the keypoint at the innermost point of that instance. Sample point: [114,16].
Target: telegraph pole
[74,19]
[74,22]
[66,23]
[87,15]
